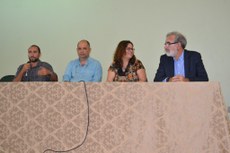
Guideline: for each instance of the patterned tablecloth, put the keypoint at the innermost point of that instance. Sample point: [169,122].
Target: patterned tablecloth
[123,118]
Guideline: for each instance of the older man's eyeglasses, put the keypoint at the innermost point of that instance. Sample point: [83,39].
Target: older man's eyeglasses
[169,43]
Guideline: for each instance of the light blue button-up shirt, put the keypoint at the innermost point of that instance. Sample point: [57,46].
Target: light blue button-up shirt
[90,72]
[179,65]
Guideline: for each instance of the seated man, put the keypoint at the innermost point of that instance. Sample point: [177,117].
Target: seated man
[179,64]
[34,69]
[83,68]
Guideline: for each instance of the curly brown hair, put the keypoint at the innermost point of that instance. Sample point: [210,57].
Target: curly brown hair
[120,51]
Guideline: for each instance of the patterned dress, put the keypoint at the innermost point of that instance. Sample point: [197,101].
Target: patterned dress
[129,75]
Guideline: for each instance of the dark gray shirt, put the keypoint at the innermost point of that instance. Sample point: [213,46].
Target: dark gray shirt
[32,73]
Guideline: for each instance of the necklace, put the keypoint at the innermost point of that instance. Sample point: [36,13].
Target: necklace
[123,69]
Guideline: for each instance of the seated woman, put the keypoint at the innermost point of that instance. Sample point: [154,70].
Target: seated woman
[125,66]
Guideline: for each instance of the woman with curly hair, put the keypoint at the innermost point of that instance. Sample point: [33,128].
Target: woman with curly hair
[125,66]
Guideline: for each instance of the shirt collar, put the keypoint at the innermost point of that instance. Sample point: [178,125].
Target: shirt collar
[87,62]
[181,58]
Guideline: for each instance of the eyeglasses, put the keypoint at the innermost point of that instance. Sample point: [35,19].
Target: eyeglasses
[83,48]
[130,49]
[169,43]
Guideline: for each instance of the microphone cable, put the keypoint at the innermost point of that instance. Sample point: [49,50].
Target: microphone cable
[87,128]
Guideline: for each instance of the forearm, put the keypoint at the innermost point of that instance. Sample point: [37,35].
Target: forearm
[53,77]
[142,75]
[143,78]
[19,76]
[110,76]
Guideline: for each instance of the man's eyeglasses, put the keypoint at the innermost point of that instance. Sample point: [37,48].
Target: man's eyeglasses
[83,48]
[169,43]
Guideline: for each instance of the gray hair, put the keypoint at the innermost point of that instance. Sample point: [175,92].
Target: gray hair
[179,38]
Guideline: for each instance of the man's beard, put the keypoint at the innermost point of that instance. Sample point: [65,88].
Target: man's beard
[33,60]
[171,53]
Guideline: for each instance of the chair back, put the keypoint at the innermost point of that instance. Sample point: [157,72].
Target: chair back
[7,78]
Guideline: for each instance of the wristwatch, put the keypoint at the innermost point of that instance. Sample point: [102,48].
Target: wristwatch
[167,80]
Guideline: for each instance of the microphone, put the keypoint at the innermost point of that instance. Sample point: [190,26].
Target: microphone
[26,74]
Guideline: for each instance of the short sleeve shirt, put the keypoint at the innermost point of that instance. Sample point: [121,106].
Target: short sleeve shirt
[129,75]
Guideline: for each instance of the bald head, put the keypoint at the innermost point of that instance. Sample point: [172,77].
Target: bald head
[83,41]
[83,49]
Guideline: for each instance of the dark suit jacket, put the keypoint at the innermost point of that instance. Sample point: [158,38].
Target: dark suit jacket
[194,67]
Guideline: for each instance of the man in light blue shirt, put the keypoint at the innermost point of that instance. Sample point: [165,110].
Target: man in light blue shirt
[84,68]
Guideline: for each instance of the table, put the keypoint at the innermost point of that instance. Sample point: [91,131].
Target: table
[123,117]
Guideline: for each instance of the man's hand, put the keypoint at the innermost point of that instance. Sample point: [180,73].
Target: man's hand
[25,67]
[44,71]
[178,78]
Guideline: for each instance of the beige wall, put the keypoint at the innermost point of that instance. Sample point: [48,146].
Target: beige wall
[56,26]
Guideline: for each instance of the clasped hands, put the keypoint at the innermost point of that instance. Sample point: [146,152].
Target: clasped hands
[178,78]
